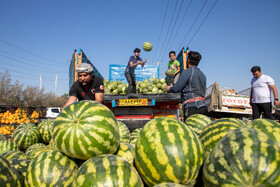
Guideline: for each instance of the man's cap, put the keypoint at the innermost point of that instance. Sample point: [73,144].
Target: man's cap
[84,68]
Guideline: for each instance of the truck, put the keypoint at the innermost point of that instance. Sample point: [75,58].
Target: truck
[225,102]
[134,110]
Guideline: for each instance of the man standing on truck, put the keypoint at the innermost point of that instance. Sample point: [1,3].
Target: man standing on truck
[260,97]
[133,62]
[87,87]
[192,85]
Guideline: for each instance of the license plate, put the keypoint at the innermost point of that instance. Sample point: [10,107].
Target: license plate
[133,102]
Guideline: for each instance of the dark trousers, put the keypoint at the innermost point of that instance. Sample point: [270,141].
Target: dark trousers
[131,82]
[194,110]
[259,108]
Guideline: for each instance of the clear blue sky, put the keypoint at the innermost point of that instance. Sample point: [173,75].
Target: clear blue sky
[39,37]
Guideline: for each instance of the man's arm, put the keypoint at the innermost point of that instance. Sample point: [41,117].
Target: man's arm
[275,93]
[70,100]
[138,62]
[99,97]
[180,84]
[251,94]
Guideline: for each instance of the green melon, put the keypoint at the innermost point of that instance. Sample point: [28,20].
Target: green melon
[30,151]
[269,127]
[167,151]
[46,130]
[20,165]
[172,185]
[41,149]
[14,154]
[197,122]
[8,175]
[26,135]
[85,129]
[2,137]
[7,145]
[134,136]
[243,157]
[51,168]
[211,134]
[126,151]
[124,132]
[147,46]
[107,170]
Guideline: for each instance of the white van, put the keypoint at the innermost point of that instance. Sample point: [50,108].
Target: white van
[53,112]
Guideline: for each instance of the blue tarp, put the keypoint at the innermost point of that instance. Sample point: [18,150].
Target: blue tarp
[116,72]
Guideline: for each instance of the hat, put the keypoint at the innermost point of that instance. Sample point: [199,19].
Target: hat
[85,68]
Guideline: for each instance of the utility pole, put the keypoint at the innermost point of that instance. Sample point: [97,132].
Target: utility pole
[55,83]
[40,81]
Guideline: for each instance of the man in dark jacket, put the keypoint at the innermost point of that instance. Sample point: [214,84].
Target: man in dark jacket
[192,85]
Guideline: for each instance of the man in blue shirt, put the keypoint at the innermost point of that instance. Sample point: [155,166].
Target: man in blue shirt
[192,85]
[133,62]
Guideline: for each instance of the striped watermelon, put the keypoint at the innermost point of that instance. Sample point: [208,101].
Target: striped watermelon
[124,132]
[211,134]
[126,151]
[85,129]
[41,149]
[20,165]
[30,151]
[168,151]
[46,129]
[244,157]
[26,135]
[14,154]
[134,136]
[8,175]
[171,185]
[197,122]
[107,170]
[7,145]
[269,127]
[51,168]
[2,137]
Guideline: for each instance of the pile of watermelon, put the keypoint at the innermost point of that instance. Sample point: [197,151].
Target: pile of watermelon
[152,85]
[86,146]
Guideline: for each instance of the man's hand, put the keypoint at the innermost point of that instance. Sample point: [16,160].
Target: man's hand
[144,62]
[167,88]
[276,103]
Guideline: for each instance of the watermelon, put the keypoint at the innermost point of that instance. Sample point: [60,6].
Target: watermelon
[107,170]
[147,46]
[8,175]
[85,129]
[269,127]
[41,149]
[46,129]
[51,168]
[30,151]
[167,151]
[2,137]
[197,122]
[170,71]
[14,154]
[127,152]
[171,185]
[243,157]
[7,145]
[124,132]
[20,165]
[211,134]
[134,136]
[26,135]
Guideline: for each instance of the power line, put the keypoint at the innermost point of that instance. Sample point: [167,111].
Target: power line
[202,22]
[168,29]
[8,43]
[14,71]
[192,24]
[161,29]
[173,28]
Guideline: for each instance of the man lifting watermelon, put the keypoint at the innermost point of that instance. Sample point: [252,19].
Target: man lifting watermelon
[87,87]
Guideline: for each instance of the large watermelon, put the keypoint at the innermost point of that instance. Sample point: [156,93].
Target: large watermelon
[14,154]
[85,129]
[7,145]
[168,151]
[8,175]
[20,165]
[244,157]
[127,152]
[197,122]
[124,132]
[269,127]
[2,137]
[26,135]
[46,130]
[211,134]
[51,168]
[30,151]
[40,150]
[134,136]
[107,170]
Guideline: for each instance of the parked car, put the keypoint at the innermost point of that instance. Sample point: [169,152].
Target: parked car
[53,112]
